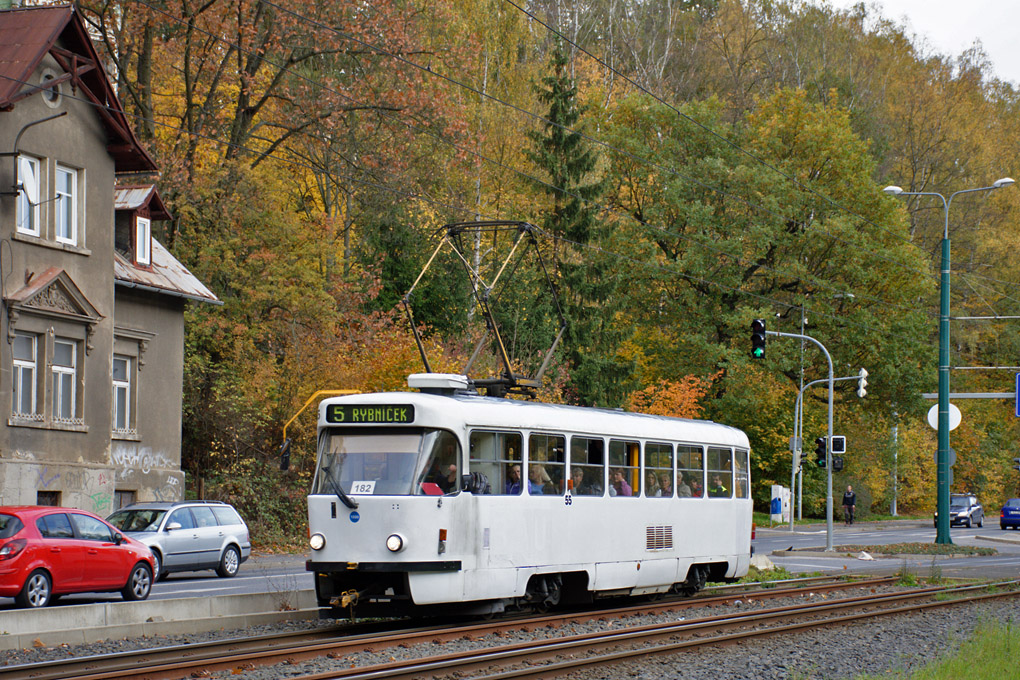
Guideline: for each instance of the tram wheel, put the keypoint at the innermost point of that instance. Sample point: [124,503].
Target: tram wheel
[697,577]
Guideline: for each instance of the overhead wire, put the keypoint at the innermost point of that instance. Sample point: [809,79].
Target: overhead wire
[435,73]
[393,190]
[687,237]
[701,125]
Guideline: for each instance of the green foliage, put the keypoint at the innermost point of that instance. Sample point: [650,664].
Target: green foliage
[585,279]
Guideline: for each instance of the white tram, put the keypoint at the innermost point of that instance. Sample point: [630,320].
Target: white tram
[425,502]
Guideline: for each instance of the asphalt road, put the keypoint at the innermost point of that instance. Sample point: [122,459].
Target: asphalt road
[808,549]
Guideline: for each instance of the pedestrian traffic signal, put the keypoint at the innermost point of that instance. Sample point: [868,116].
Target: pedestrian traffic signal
[837,463]
[758,339]
[820,452]
[862,383]
[1016,463]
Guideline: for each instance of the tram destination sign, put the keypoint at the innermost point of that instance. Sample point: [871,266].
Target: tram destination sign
[352,414]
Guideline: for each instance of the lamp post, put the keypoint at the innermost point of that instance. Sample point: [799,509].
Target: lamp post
[942,470]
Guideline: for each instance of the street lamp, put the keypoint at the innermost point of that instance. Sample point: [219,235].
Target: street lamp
[942,474]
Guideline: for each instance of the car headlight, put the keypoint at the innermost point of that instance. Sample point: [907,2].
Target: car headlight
[317,541]
[395,542]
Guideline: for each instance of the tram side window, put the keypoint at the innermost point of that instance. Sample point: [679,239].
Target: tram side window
[587,466]
[624,468]
[742,468]
[497,455]
[690,471]
[658,470]
[720,472]
[546,455]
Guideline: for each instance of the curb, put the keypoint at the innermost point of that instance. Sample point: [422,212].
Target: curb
[85,623]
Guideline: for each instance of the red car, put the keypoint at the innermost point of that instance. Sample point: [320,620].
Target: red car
[46,552]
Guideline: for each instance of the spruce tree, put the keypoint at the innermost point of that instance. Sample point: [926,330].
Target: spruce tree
[587,279]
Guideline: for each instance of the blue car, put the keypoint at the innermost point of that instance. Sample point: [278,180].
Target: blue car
[1009,516]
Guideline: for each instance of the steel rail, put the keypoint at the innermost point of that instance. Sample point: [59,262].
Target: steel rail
[531,652]
[180,660]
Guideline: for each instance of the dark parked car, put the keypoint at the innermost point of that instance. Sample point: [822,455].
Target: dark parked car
[46,552]
[1009,515]
[187,535]
[964,509]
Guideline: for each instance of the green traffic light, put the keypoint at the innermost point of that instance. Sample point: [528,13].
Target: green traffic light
[758,352]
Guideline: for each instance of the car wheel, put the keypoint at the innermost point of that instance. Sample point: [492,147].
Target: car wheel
[229,563]
[139,583]
[1002,526]
[981,522]
[37,590]
[158,573]
[968,523]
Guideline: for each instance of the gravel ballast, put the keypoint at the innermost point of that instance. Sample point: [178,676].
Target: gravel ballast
[901,642]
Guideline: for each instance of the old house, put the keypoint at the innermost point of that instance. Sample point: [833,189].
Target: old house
[92,336]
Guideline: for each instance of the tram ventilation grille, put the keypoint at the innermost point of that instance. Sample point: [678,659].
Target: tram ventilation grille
[659,538]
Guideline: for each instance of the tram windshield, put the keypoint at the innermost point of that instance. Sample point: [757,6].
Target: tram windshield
[388,463]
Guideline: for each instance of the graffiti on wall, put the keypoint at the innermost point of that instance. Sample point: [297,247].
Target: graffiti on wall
[132,459]
[93,485]
[170,491]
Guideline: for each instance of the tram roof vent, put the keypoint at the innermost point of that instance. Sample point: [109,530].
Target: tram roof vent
[438,383]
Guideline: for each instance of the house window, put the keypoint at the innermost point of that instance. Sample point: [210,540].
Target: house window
[25,363]
[143,235]
[64,380]
[122,412]
[66,205]
[28,195]
[48,498]
[123,498]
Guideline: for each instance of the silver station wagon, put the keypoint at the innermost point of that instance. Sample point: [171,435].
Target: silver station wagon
[187,535]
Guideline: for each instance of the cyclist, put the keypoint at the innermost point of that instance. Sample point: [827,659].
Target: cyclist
[849,503]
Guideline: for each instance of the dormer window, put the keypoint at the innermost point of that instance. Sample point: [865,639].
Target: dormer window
[143,241]
[28,195]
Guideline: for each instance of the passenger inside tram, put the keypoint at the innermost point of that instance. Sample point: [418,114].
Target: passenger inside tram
[582,485]
[513,480]
[666,484]
[618,484]
[537,478]
[683,490]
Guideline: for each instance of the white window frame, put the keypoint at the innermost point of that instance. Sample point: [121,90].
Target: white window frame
[25,371]
[27,219]
[122,386]
[143,241]
[66,231]
[61,375]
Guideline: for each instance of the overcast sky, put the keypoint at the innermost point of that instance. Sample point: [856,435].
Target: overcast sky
[952,26]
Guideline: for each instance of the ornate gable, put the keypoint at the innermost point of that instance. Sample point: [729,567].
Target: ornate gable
[52,294]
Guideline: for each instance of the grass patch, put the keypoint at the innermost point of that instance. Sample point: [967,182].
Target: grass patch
[989,654]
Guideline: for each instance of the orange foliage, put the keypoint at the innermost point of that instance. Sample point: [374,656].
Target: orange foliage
[678,399]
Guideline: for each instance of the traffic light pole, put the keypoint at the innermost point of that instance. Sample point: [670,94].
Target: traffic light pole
[798,432]
[828,439]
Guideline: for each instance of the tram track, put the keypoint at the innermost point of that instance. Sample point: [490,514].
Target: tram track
[182,661]
[567,656]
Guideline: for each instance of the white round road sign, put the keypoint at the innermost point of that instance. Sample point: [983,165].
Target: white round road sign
[954,417]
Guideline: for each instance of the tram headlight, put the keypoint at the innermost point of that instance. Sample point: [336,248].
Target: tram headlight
[395,542]
[317,541]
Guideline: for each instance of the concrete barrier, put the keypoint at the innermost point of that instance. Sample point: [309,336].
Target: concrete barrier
[84,623]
